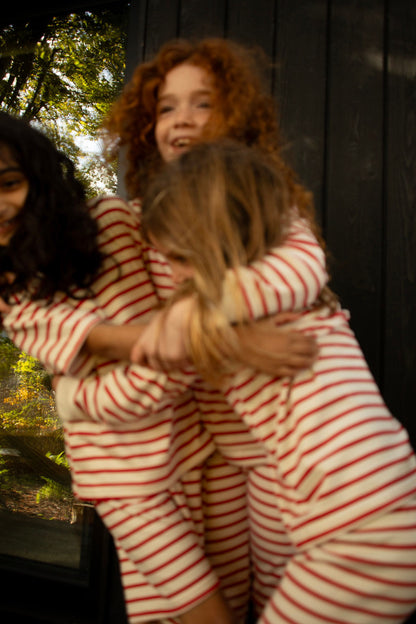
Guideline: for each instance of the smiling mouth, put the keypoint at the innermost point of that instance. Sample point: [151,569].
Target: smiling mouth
[182,142]
[4,225]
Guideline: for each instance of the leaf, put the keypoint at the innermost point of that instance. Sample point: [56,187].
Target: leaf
[64,73]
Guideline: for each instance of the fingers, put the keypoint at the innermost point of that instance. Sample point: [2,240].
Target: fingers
[157,361]
[140,357]
[146,355]
[161,347]
[286,369]
[284,317]
[284,354]
[302,345]
[156,364]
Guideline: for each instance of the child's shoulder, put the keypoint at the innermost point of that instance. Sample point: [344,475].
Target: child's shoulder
[112,207]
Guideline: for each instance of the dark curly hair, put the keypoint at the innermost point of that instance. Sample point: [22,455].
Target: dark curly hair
[54,247]
[246,111]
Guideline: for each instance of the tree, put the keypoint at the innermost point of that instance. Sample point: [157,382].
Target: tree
[27,400]
[8,357]
[63,73]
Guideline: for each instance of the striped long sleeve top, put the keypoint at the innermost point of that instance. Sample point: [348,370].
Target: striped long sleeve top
[341,459]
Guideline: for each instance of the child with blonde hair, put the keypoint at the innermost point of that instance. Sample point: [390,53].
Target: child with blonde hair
[344,470]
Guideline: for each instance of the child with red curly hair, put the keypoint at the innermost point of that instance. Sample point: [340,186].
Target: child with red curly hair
[229,79]
[145,475]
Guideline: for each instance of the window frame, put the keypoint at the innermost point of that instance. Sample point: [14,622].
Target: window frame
[41,593]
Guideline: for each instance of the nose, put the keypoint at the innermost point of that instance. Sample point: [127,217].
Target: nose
[183,116]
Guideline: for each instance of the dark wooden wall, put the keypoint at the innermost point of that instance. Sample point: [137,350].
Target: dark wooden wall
[345,81]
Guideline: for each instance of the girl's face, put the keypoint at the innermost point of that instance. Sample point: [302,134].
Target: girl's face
[184,107]
[14,188]
[180,267]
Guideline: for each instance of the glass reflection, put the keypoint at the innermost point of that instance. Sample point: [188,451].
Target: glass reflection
[61,72]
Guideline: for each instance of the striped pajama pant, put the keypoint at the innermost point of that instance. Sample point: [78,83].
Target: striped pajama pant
[175,548]
[365,576]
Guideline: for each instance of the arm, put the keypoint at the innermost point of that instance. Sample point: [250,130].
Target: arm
[288,279]
[59,333]
[113,342]
[267,345]
[125,394]
[54,333]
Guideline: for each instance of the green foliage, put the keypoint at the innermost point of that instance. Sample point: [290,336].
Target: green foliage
[59,459]
[28,403]
[64,73]
[8,356]
[52,490]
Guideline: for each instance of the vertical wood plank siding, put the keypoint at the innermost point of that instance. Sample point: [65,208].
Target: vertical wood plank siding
[399,224]
[344,77]
[354,175]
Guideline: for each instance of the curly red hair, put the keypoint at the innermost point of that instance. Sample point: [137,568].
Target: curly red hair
[245,111]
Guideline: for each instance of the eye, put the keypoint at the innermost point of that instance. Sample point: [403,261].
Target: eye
[178,258]
[204,104]
[11,182]
[164,109]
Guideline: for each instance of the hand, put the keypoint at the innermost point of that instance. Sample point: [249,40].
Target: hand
[271,347]
[163,344]
[55,381]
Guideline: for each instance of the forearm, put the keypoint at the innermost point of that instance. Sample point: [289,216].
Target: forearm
[278,351]
[125,394]
[113,342]
[287,279]
[54,334]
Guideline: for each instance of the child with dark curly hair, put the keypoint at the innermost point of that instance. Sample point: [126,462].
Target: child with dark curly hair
[168,474]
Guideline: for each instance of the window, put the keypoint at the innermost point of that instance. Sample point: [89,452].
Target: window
[60,72]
